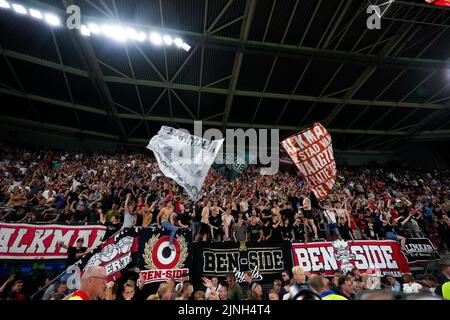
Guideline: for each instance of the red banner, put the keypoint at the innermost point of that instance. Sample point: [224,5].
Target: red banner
[312,152]
[440,3]
[285,160]
[342,256]
[29,241]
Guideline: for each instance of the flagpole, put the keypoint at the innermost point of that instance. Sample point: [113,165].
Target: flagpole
[65,270]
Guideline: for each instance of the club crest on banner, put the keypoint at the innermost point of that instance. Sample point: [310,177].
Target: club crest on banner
[113,257]
[343,255]
[161,262]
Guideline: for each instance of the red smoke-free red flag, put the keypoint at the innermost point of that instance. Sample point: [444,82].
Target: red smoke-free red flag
[312,152]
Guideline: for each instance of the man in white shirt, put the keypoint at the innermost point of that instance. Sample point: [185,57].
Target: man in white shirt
[332,229]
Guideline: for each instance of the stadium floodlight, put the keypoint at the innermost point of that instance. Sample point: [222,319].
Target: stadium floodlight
[131,34]
[119,34]
[168,40]
[93,28]
[186,47]
[178,42]
[85,31]
[36,14]
[4,4]
[155,38]
[52,19]
[115,32]
[19,8]
[108,30]
[141,37]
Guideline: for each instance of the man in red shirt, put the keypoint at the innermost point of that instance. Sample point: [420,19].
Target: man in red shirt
[92,286]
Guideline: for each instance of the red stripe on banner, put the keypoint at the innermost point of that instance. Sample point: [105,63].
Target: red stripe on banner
[384,256]
[27,241]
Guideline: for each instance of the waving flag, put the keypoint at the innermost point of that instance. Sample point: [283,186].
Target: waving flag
[312,152]
[184,158]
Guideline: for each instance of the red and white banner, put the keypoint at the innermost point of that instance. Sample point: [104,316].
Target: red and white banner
[30,241]
[285,160]
[312,152]
[342,256]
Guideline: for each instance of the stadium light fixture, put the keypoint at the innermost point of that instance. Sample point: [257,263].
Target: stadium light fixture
[155,38]
[4,4]
[116,32]
[85,31]
[93,28]
[107,30]
[36,14]
[19,8]
[186,47]
[131,34]
[141,37]
[52,20]
[168,40]
[178,42]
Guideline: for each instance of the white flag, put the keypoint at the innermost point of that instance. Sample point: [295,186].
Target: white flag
[184,158]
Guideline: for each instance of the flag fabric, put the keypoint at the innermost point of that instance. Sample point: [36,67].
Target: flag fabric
[233,164]
[184,158]
[312,152]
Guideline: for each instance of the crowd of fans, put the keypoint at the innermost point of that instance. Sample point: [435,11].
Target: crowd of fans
[294,285]
[129,190]
[122,191]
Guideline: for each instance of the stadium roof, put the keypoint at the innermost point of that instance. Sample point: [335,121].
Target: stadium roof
[252,63]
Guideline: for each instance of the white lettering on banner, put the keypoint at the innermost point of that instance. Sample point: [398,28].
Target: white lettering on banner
[314,258]
[369,256]
[240,275]
[418,248]
[303,259]
[5,235]
[15,248]
[38,241]
[390,262]
[117,265]
[309,258]
[222,262]
[41,242]
[378,257]
[328,258]
[360,258]
[57,237]
[159,275]
[84,234]
[310,137]
[363,257]
[311,151]
[98,239]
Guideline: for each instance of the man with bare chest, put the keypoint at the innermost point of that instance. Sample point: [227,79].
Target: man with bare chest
[165,220]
